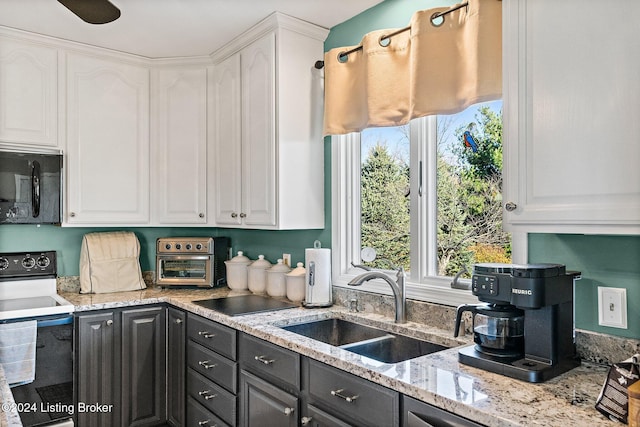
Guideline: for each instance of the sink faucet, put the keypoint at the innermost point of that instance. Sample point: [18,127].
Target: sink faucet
[398,288]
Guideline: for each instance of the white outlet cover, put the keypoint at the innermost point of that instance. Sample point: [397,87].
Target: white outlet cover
[612,307]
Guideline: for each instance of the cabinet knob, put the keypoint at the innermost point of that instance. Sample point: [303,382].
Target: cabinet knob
[288,411]
[234,215]
[178,321]
[510,206]
[109,322]
[305,421]
[72,214]
[201,215]
[243,215]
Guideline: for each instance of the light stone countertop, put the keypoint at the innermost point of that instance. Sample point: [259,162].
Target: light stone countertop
[437,379]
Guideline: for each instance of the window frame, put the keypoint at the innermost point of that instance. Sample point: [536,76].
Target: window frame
[346,213]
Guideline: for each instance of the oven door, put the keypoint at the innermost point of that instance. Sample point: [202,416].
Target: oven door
[48,400]
[184,270]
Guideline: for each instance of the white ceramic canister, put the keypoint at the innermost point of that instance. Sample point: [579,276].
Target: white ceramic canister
[276,285]
[237,271]
[258,275]
[295,283]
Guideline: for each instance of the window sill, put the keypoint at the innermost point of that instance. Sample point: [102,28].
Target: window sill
[435,291]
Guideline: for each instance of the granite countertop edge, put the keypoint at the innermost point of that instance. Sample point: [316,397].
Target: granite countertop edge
[437,379]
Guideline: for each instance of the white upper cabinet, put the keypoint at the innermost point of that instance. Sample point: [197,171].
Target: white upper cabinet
[267,150]
[179,145]
[108,141]
[28,94]
[571,116]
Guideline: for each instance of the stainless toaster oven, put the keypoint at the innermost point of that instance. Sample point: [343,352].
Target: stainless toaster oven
[191,261]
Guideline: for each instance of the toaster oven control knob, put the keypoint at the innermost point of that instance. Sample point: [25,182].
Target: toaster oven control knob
[188,246]
[178,246]
[4,263]
[28,262]
[199,246]
[167,246]
[43,261]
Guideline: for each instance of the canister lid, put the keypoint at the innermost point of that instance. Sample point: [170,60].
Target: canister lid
[260,263]
[239,259]
[280,267]
[298,271]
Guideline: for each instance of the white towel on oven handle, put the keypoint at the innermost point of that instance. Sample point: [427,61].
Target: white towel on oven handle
[18,351]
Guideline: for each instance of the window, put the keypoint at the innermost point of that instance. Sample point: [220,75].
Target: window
[424,198]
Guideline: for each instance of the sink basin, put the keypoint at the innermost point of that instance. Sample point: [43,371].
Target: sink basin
[394,348]
[336,332]
[367,341]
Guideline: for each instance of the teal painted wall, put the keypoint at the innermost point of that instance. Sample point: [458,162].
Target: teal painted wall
[603,260]
[612,261]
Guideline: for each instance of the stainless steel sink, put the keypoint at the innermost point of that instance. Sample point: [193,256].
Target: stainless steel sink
[336,332]
[394,348]
[367,341]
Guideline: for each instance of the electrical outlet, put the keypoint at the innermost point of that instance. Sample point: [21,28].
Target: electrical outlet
[286,259]
[612,307]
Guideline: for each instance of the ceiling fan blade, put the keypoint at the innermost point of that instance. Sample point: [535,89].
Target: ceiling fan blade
[93,11]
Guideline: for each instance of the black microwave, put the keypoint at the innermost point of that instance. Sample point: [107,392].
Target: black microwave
[30,188]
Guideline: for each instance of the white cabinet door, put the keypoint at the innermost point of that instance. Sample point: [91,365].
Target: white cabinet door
[571,117]
[28,94]
[179,146]
[225,133]
[258,132]
[108,141]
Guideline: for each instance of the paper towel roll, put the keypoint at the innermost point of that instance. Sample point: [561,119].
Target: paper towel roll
[318,277]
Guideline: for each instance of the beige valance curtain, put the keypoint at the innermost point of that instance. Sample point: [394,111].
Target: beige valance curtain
[435,67]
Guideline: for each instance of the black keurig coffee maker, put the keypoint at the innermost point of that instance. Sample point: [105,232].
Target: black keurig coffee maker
[524,328]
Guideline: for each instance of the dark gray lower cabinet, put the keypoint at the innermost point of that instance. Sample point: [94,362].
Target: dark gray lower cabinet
[318,418]
[121,361]
[176,360]
[265,405]
[420,414]
[95,367]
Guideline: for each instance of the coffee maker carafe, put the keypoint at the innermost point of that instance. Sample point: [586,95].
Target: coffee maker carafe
[498,329]
[524,327]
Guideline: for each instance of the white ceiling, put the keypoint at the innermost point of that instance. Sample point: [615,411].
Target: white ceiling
[171,28]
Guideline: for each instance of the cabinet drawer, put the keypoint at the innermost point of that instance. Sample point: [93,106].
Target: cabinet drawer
[213,366]
[219,338]
[265,359]
[197,415]
[318,418]
[213,397]
[360,400]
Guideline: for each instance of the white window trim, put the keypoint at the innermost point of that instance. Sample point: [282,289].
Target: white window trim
[345,192]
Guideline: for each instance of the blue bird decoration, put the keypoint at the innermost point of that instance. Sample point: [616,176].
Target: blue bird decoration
[470,142]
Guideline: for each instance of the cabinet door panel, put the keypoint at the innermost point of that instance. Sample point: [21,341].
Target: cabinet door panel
[264,405]
[259,145]
[571,150]
[28,84]
[180,145]
[176,360]
[143,366]
[226,135]
[108,141]
[95,366]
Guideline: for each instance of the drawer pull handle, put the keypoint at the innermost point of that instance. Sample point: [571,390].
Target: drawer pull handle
[305,421]
[338,393]
[203,423]
[206,334]
[206,364]
[207,394]
[288,411]
[264,360]
[178,321]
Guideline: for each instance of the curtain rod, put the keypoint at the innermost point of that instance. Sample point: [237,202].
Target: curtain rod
[344,55]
